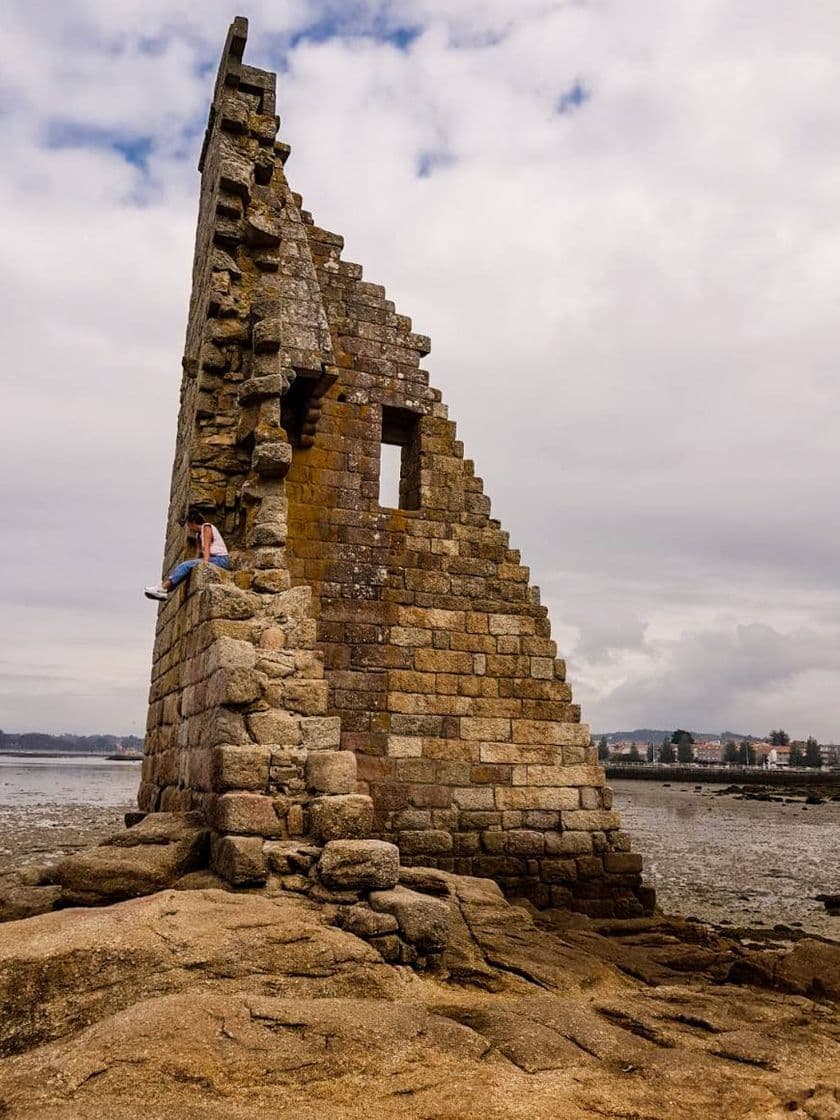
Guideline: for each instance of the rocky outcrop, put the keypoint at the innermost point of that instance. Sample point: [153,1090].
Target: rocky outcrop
[219,1004]
[171,850]
[811,968]
[21,899]
[66,970]
[151,855]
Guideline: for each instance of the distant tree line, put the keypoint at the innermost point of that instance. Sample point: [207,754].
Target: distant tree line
[34,741]
[680,748]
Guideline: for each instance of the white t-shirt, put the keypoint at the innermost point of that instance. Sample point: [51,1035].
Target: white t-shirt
[217,544]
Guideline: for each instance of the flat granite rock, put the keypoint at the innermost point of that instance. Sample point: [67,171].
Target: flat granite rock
[211,1005]
[61,971]
[148,857]
[424,921]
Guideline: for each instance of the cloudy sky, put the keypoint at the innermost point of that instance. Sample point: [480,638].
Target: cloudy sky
[620,224]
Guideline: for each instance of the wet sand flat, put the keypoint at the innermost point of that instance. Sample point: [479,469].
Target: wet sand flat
[727,860]
[51,806]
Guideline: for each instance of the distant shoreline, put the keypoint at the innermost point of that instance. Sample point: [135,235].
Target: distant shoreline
[56,754]
[723,775]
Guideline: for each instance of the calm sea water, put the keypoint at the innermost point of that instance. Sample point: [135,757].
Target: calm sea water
[746,862]
[51,806]
[67,781]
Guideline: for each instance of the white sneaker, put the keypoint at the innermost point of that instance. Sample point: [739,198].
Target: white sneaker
[156,591]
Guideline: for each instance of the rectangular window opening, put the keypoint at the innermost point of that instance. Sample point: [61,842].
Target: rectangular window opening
[399,459]
[294,406]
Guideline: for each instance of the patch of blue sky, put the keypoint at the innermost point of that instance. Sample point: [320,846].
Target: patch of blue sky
[323,30]
[187,143]
[132,147]
[205,67]
[572,98]
[430,160]
[153,44]
[348,20]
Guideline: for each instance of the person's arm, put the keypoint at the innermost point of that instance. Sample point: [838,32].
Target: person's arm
[206,540]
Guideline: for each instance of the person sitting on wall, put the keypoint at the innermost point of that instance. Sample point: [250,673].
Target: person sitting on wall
[209,547]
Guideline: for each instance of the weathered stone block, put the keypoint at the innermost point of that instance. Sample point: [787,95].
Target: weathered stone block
[425,842]
[240,767]
[494,842]
[309,697]
[411,819]
[522,842]
[542,668]
[262,230]
[320,733]
[539,731]
[140,860]
[423,920]
[405,746]
[589,867]
[359,865]
[622,862]
[543,820]
[227,602]
[590,798]
[275,727]
[233,686]
[590,820]
[296,603]
[488,730]
[271,580]
[224,726]
[568,843]
[558,870]
[348,817]
[272,458]
[239,860]
[268,533]
[473,798]
[510,624]
[537,797]
[248,814]
[290,857]
[517,754]
[276,664]
[331,772]
[256,388]
[361,921]
[228,653]
[442,661]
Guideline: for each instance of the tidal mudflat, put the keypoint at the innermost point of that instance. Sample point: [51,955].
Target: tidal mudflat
[51,806]
[748,863]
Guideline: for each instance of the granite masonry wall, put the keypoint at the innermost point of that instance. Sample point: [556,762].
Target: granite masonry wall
[409,637]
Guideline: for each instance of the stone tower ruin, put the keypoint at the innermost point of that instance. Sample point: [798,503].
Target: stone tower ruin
[363,671]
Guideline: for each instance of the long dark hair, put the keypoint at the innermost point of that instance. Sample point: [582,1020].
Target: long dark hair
[194,517]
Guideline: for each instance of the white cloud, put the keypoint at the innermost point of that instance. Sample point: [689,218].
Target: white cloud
[631,305]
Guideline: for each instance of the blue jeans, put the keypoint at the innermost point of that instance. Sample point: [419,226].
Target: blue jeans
[179,574]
